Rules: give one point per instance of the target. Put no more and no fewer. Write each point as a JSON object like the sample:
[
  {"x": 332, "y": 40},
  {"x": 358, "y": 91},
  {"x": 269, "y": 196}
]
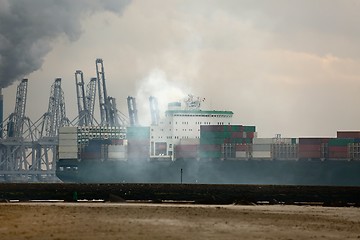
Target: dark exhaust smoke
[{"x": 27, "y": 29}]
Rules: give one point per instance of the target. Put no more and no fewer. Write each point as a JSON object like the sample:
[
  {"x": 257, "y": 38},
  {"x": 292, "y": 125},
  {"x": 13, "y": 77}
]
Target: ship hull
[{"x": 301, "y": 172}]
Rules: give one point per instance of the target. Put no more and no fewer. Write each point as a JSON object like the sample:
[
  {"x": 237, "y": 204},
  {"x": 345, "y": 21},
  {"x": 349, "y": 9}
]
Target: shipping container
[
  {"x": 241, "y": 154},
  {"x": 310, "y": 155},
  {"x": 117, "y": 155},
  {"x": 68, "y": 143},
  {"x": 68, "y": 136},
  {"x": 309, "y": 147},
  {"x": 303, "y": 141},
  {"x": 348, "y": 134},
  {"x": 68, "y": 130},
  {"x": 186, "y": 148},
  {"x": 242, "y": 147},
  {"x": 340, "y": 141},
  {"x": 211, "y": 141},
  {"x": 249, "y": 129},
  {"x": 68, "y": 155},
  {"x": 250, "y": 134},
  {"x": 261, "y": 147},
  {"x": 263, "y": 140},
  {"x": 73, "y": 148},
  {"x": 262, "y": 155},
  {"x": 116, "y": 148}
]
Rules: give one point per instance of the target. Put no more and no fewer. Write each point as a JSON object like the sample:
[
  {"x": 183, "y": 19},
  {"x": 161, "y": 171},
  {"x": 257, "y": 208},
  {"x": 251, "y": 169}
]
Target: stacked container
[
  {"x": 313, "y": 148},
  {"x": 339, "y": 148},
  {"x": 138, "y": 143},
  {"x": 68, "y": 143},
  {"x": 219, "y": 141},
  {"x": 354, "y": 146},
  {"x": 285, "y": 149},
  {"x": 117, "y": 152},
  {"x": 187, "y": 149},
  {"x": 95, "y": 149},
  {"x": 262, "y": 148}
]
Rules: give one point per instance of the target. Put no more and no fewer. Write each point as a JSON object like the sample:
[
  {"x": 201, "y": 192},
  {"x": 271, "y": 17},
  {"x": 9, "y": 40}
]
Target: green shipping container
[
  {"x": 340, "y": 141},
  {"x": 215, "y": 135},
  {"x": 249, "y": 129},
  {"x": 212, "y": 140}
]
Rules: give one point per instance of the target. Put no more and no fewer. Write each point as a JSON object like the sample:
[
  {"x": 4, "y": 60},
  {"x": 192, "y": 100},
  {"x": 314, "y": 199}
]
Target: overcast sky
[{"x": 289, "y": 67}]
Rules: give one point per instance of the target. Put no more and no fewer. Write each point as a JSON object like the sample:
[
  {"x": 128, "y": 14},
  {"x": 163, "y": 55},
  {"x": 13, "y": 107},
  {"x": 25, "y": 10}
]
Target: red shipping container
[
  {"x": 250, "y": 135},
  {"x": 308, "y": 154},
  {"x": 338, "y": 148},
  {"x": 241, "y": 147},
  {"x": 237, "y": 134},
  {"x": 340, "y": 155},
  {"x": 211, "y": 128},
  {"x": 117, "y": 142},
  {"x": 186, "y": 148},
  {"x": 348, "y": 134},
  {"x": 313, "y": 141},
  {"x": 309, "y": 147}
]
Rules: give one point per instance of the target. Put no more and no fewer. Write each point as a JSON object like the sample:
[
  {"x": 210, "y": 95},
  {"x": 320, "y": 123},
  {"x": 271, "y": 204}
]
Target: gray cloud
[{"x": 27, "y": 29}]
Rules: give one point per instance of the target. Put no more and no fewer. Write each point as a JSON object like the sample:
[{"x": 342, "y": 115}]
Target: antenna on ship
[{"x": 193, "y": 103}]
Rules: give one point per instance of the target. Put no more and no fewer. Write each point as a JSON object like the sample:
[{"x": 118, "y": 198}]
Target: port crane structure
[{"x": 28, "y": 150}]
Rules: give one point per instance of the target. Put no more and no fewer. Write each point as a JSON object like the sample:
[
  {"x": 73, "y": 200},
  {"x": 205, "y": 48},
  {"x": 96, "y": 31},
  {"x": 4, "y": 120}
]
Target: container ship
[{"x": 191, "y": 145}]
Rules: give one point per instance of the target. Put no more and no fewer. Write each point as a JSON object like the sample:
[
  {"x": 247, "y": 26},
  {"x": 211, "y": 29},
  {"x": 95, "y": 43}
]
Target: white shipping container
[
  {"x": 67, "y": 130},
  {"x": 283, "y": 140},
  {"x": 68, "y": 136},
  {"x": 68, "y": 142},
  {"x": 67, "y": 155},
  {"x": 68, "y": 148},
  {"x": 262, "y": 154},
  {"x": 261, "y": 147},
  {"x": 116, "y": 148},
  {"x": 240, "y": 154},
  {"x": 263, "y": 140},
  {"x": 117, "y": 155}
]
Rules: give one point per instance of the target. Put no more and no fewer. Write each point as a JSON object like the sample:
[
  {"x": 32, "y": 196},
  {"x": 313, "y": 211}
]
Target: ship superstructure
[{"x": 181, "y": 125}]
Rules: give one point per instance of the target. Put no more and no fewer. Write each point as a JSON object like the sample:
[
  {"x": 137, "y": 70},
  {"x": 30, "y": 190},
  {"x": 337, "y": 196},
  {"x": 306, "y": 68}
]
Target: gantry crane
[
  {"x": 55, "y": 117},
  {"x": 109, "y": 114},
  {"x": 45, "y": 148},
  {"x": 17, "y": 142}
]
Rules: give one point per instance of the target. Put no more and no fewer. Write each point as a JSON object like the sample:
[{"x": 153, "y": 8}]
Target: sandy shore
[{"x": 164, "y": 221}]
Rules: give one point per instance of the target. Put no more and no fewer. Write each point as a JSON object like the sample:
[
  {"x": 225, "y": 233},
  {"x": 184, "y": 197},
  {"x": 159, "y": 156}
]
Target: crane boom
[
  {"x": 90, "y": 99},
  {"x": 103, "y": 97},
  {"x": 81, "y": 99},
  {"x": 133, "y": 115},
  {"x": 15, "y": 124}
]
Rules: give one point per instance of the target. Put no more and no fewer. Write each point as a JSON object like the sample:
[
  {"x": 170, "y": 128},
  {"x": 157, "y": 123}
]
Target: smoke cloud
[
  {"x": 27, "y": 29},
  {"x": 159, "y": 85}
]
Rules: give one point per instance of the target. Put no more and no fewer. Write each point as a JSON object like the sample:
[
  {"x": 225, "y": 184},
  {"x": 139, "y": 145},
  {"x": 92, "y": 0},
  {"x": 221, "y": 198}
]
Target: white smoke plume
[
  {"x": 27, "y": 29},
  {"x": 166, "y": 90}
]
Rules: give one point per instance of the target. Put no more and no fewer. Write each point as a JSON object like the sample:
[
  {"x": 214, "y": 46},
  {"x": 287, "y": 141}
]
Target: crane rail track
[{"x": 194, "y": 193}]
